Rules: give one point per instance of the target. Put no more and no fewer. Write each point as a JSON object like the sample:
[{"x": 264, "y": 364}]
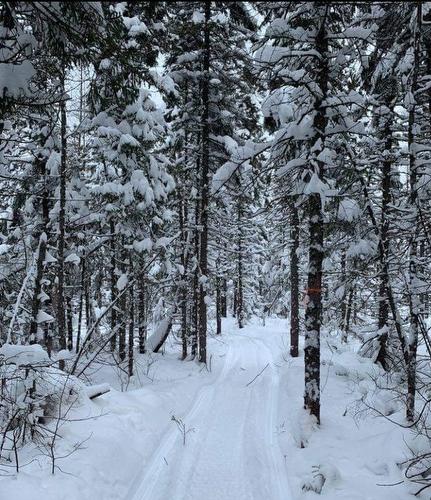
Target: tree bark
[
  {"x": 183, "y": 293},
  {"x": 313, "y": 311},
  {"x": 131, "y": 323},
  {"x": 195, "y": 298},
  {"x": 224, "y": 298},
  {"x": 113, "y": 283},
  {"x": 122, "y": 327},
  {"x": 203, "y": 251},
  {"x": 69, "y": 323},
  {"x": 294, "y": 278},
  {"x": 218, "y": 306},
  {"x": 43, "y": 236},
  {"x": 240, "y": 288},
  {"x": 383, "y": 313},
  {"x": 142, "y": 316},
  {"x": 81, "y": 304},
  {"x": 415, "y": 298},
  {"x": 347, "y": 315},
  {"x": 61, "y": 320},
  {"x": 235, "y": 299}
]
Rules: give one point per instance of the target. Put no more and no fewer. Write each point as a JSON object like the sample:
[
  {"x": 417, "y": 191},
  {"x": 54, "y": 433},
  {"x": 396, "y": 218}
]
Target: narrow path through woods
[{"x": 232, "y": 450}]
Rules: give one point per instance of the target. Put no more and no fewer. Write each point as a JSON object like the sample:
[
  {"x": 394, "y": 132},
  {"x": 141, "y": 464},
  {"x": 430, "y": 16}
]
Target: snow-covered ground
[{"x": 246, "y": 435}]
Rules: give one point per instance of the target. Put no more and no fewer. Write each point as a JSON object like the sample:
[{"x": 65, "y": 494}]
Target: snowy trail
[
  {"x": 233, "y": 453},
  {"x": 248, "y": 440}
]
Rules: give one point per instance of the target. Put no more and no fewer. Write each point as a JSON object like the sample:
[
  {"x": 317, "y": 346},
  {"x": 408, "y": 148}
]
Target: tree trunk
[
  {"x": 224, "y": 298},
  {"x": 414, "y": 292},
  {"x": 383, "y": 313},
  {"x": 240, "y": 290},
  {"x": 81, "y": 304},
  {"x": 203, "y": 251},
  {"x": 386, "y": 114},
  {"x": 218, "y": 306},
  {"x": 313, "y": 311},
  {"x": 36, "y": 303},
  {"x": 142, "y": 316},
  {"x": 43, "y": 236},
  {"x": 131, "y": 323},
  {"x": 183, "y": 292},
  {"x": 122, "y": 327},
  {"x": 195, "y": 298},
  {"x": 235, "y": 299},
  {"x": 69, "y": 323},
  {"x": 113, "y": 282},
  {"x": 88, "y": 315},
  {"x": 343, "y": 280},
  {"x": 347, "y": 315},
  {"x": 294, "y": 279},
  {"x": 61, "y": 320}
]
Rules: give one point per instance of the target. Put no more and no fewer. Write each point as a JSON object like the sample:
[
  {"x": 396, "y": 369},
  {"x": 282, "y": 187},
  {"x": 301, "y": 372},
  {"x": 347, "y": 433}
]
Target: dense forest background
[{"x": 164, "y": 165}]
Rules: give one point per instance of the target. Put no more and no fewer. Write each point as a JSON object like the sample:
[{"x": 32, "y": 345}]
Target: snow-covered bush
[{"x": 33, "y": 393}]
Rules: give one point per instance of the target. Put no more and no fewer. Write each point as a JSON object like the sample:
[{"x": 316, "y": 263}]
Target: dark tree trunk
[
  {"x": 224, "y": 298},
  {"x": 383, "y": 312},
  {"x": 47, "y": 335},
  {"x": 203, "y": 250},
  {"x": 122, "y": 327},
  {"x": 113, "y": 283},
  {"x": 131, "y": 324},
  {"x": 354, "y": 308},
  {"x": 240, "y": 293},
  {"x": 294, "y": 279},
  {"x": 122, "y": 333},
  {"x": 218, "y": 306},
  {"x": 240, "y": 290},
  {"x": 36, "y": 303},
  {"x": 195, "y": 298},
  {"x": 235, "y": 299},
  {"x": 184, "y": 325},
  {"x": 43, "y": 236},
  {"x": 61, "y": 320},
  {"x": 183, "y": 291},
  {"x": 347, "y": 315},
  {"x": 142, "y": 316},
  {"x": 69, "y": 323},
  {"x": 81, "y": 304},
  {"x": 88, "y": 314},
  {"x": 313, "y": 311},
  {"x": 415, "y": 298},
  {"x": 343, "y": 280}
]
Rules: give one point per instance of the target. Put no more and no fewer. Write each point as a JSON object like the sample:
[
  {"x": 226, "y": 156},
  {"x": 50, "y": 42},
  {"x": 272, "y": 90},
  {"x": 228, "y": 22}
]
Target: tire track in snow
[
  {"x": 144, "y": 486},
  {"x": 266, "y": 448},
  {"x": 198, "y": 459},
  {"x": 277, "y": 458},
  {"x": 236, "y": 437}
]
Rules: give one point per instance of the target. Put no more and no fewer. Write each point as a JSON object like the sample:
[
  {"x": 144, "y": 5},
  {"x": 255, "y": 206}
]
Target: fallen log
[{"x": 94, "y": 391}]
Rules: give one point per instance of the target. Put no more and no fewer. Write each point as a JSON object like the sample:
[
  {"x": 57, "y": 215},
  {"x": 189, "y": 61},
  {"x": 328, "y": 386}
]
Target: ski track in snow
[{"x": 233, "y": 451}]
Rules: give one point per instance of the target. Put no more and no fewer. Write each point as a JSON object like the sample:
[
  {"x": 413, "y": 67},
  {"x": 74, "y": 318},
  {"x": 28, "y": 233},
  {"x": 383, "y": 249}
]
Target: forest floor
[{"x": 244, "y": 435}]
